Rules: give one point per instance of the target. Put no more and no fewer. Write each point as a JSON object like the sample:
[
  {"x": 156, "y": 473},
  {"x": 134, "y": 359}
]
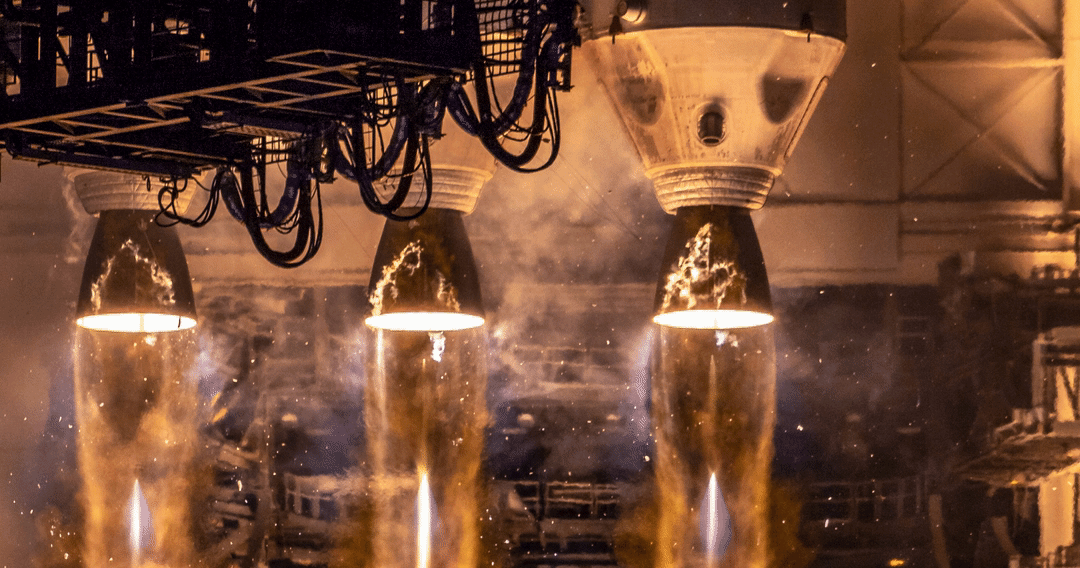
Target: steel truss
[{"x": 170, "y": 88}]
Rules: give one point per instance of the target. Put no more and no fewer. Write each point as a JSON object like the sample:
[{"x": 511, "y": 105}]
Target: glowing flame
[
  {"x": 715, "y": 522},
  {"x": 697, "y": 286},
  {"x": 140, "y": 526},
  {"x": 424, "y": 321},
  {"x": 424, "y": 516},
  {"x": 447, "y": 317},
  {"x": 696, "y": 279},
  {"x": 134, "y": 322},
  {"x": 408, "y": 260},
  {"x": 713, "y": 319}
]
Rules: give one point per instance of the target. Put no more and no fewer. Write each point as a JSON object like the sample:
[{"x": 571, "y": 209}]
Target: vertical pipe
[
  {"x": 142, "y": 37},
  {"x": 30, "y": 55},
  {"x": 77, "y": 50},
  {"x": 50, "y": 45}
]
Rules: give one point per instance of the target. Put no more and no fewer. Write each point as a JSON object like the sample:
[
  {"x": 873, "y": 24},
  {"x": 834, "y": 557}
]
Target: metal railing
[
  {"x": 569, "y": 500},
  {"x": 866, "y": 501}
]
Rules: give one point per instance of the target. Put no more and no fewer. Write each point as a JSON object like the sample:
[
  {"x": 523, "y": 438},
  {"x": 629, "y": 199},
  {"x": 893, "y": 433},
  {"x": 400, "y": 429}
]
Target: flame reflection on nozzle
[
  {"x": 713, "y": 273},
  {"x": 424, "y": 321},
  {"x": 136, "y": 322},
  {"x": 713, "y": 319},
  {"x": 424, "y": 276}
]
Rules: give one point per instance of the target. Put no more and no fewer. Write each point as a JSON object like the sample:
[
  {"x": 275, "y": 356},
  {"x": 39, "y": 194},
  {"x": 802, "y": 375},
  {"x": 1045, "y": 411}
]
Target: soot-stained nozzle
[
  {"x": 136, "y": 277},
  {"x": 713, "y": 274},
  {"x": 424, "y": 277}
]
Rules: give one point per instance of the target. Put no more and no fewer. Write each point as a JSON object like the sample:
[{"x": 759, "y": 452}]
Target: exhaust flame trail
[
  {"x": 423, "y": 522},
  {"x": 716, "y": 522},
  {"x": 140, "y": 527}
]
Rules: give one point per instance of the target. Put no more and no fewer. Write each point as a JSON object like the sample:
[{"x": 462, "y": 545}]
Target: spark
[{"x": 725, "y": 337}]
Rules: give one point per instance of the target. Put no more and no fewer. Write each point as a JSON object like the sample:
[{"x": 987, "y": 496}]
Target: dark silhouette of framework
[{"x": 172, "y": 87}]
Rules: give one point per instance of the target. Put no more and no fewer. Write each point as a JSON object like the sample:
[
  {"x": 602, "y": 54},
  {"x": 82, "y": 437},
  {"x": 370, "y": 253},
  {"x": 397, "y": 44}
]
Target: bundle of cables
[
  {"x": 365, "y": 152},
  {"x": 549, "y": 36},
  {"x": 362, "y": 151},
  {"x": 387, "y": 138},
  {"x": 298, "y": 211}
]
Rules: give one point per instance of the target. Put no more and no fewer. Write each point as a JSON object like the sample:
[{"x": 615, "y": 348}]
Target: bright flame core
[
  {"x": 713, "y": 516},
  {"x": 713, "y": 319},
  {"x": 423, "y": 523},
  {"x": 132, "y": 322},
  {"x": 715, "y": 522},
  {"x": 424, "y": 321},
  {"x": 140, "y": 527}
]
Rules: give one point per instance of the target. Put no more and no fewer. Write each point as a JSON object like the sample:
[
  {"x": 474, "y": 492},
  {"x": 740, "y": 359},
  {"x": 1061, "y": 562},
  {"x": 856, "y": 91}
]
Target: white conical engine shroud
[
  {"x": 764, "y": 81},
  {"x": 110, "y": 191}
]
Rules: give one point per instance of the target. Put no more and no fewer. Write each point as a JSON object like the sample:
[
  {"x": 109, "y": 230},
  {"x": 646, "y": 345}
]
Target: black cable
[
  {"x": 489, "y": 134},
  {"x": 227, "y": 186},
  {"x": 538, "y": 72},
  {"x": 419, "y": 114},
  {"x": 309, "y": 230},
  {"x": 247, "y": 200},
  {"x": 554, "y": 129},
  {"x": 168, "y": 215},
  {"x": 504, "y": 118},
  {"x": 425, "y": 168}
]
